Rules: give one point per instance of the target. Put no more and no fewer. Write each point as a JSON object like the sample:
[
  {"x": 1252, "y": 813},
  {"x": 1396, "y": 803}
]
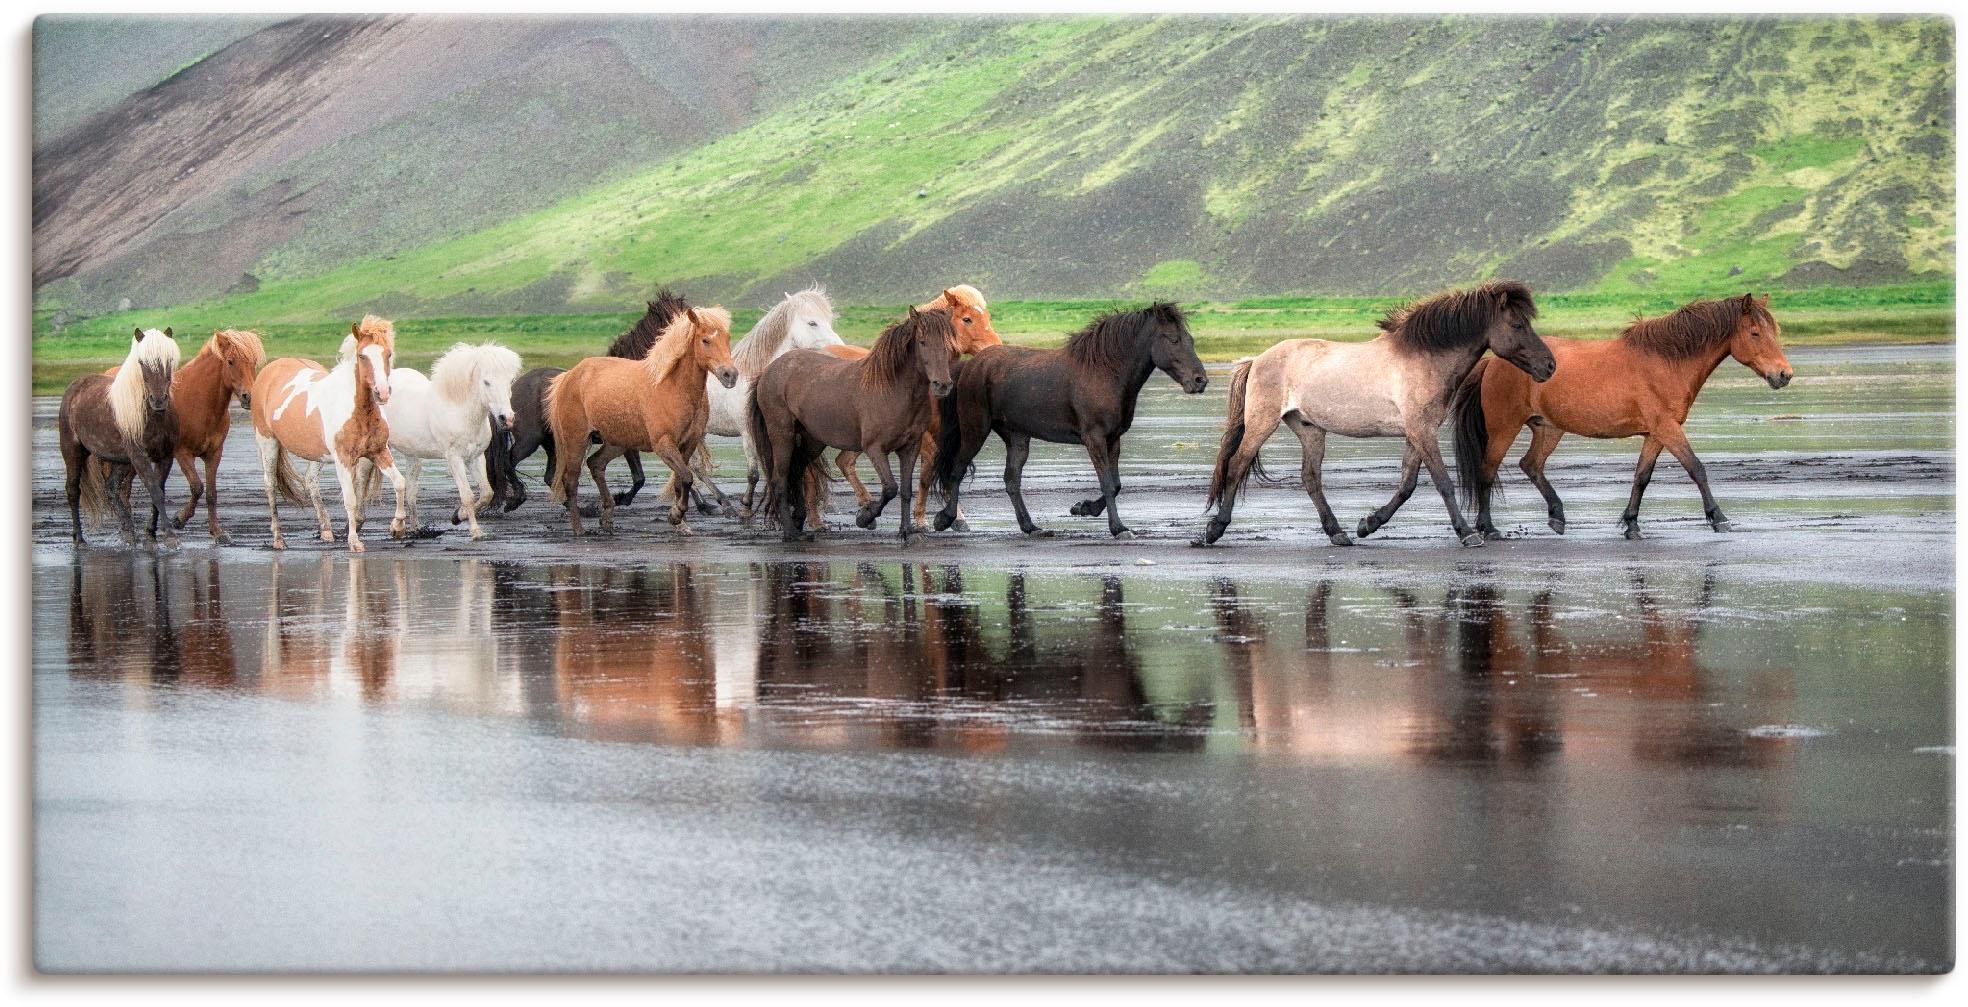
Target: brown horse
[
  {"x": 653, "y": 404},
  {"x": 807, "y": 401},
  {"x": 1643, "y": 382},
  {"x": 973, "y": 323},
  {"x": 302, "y": 408},
  {"x": 128, "y": 421},
  {"x": 202, "y": 391}
]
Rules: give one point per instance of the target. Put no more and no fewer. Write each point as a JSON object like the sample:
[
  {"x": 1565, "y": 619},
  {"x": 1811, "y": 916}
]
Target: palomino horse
[
  {"x": 128, "y": 421},
  {"x": 1397, "y": 384},
  {"x": 1083, "y": 392},
  {"x": 1643, "y": 382},
  {"x": 202, "y": 391},
  {"x": 653, "y": 404},
  {"x": 808, "y": 401},
  {"x": 973, "y": 322},
  {"x": 319, "y": 415},
  {"x": 452, "y": 415},
  {"x": 530, "y": 432}
]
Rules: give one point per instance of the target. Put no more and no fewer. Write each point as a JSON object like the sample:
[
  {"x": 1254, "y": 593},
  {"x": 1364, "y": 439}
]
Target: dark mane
[
  {"x": 1692, "y": 330},
  {"x": 1457, "y": 318},
  {"x": 1108, "y": 341},
  {"x": 894, "y": 352},
  {"x": 635, "y": 343}
]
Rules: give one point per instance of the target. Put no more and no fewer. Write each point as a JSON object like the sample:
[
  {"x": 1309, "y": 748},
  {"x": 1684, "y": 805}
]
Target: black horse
[
  {"x": 1083, "y": 392},
  {"x": 530, "y": 432}
]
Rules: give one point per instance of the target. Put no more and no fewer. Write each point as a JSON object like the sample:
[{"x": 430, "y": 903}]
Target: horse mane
[
  {"x": 894, "y": 350},
  {"x": 1108, "y": 341},
  {"x": 126, "y": 390},
  {"x": 965, "y": 295},
  {"x": 1691, "y": 330},
  {"x": 376, "y": 330},
  {"x": 636, "y": 343},
  {"x": 674, "y": 343},
  {"x": 225, "y": 342},
  {"x": 456, "y": 372},
  {"x": 760, "y": 345},
  {"x": 1455, "y": 318}
]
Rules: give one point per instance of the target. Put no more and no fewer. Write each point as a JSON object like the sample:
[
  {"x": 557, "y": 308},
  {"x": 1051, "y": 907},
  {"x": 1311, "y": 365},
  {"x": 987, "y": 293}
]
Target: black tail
[
  {"x": 1222, "y": 486},
  {"x": 762, "y": 443},
  {"x": 500, "y": 468},
  {"x": 1472, "y": 438},
  {"x": 948, "y": 473}
]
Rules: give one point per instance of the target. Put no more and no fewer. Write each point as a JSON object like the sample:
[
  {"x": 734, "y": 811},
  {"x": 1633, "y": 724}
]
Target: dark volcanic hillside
[{"x": 477, "y": 165}]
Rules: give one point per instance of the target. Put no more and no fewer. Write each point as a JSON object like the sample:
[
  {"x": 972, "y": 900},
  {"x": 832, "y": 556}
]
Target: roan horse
[
  {"x": 530, "y": 432},
  {"x": 202, "y": 391},
  {"x": 1084, "y": 392},
  {"x": 1397, "y": 384},
  {"x": 1643, "y": 382},
  {"x": 451, "y": 415},
  {"x": 653, "y": 404},
  {"x": 808, "y": 401},
  {"x": 128, "y": 421},
  {"x": 972, "y": 319},
  {"x": 304, "y": 409}
]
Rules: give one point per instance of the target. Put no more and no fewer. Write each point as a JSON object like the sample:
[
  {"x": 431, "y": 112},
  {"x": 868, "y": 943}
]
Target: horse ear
[
  {"x": 692, "y": 312},
  {"x": 950, "y": 298},
  {"x": 1749, "y": 301},
  {"x": 355, "y": 328},
  {"x": 137, "y": 335},
  {"x": 914, "y": 315},
  {"x": 1764, "y": 303}
]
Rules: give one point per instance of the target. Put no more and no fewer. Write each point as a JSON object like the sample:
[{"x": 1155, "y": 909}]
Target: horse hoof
[
  {"x": 477, "y": 533},
  {"x": 961, "y": 525},
  {"x": 1558, "y": 525},
  {"x": 865, "y": 518},
  {"x": 1341, "y": 538},
  {"x": 1473, "y": 540},
  {"x": 512, "y": 505},
  {"x": 944, "y": 522},
  {"x": 915, "y": 537},
  {"x": 279, "y": 543},
  {"x": 728, "y": 512},
  {"x": 623, "y": 499},
  {"x": 683, "y": 529},
  {"x": 177, "y": 523},
  {"x": 1078, "y": 510},
  {"x": 221, "y": 538},
  {"x": 1038, "y": 533},
  {"x": 1492, "y": 535},
  {"x": 327, "y": 536},
  {"x": 1721, "y": 526},
  {"x": 1365, "y": 529},
  {"x": 1124, "y": 533},
  {"x": 1632, "y": 531},
  {"x": 676, "y": 516},
  {"x": 356, "y": 547},
  {"x": 591, "y": 510}
]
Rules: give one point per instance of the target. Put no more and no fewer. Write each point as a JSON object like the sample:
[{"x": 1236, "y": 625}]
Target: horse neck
[
  {"x": 203, "y": 384},
  {"x": 365, "y": 385},
  {"x": 1696, "y": 370}
]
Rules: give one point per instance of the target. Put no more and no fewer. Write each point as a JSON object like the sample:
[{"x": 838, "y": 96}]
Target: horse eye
[{"x": 967, "y": 321}]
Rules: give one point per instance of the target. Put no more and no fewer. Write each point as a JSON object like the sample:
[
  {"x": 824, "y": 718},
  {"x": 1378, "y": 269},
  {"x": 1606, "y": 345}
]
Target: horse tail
[
  {"x": 95, "y": 491},
  {"x": 947, "y": 472},
  {"x": 1472, "y": 437},
  {"x": 286, "y": 483},
  {"x": 1222, "y": 487},
  {"x": 564, "y": 459},
  {"x": 761, "y": 449}
]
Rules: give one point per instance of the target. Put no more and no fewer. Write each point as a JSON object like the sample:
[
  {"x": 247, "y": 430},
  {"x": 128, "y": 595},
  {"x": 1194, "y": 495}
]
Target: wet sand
[{"x": 1696, "y": 752}]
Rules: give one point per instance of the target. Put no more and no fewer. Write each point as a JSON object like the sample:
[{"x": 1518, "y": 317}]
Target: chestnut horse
[
  {"x": 302, "y": 408},
  {"x": 128, "y": 421},
  {"x": 807, "y": 401},
  {"x": 653, "y": 404},
  {"x": 973, "y": 323},
  {"x": 1083, "y": 392},
  {"x": 1642, "y": 382},
  {"x": 202, "y": 391},
  {"x": 1397, "y": 384}
]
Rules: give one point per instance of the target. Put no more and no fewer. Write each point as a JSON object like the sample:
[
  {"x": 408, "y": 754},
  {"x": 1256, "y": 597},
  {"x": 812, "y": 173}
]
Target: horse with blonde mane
[
  {"x": 451, "y": 415},
  {"x": 653, "y": 404},
  {"x": 129, "y": 421},
  {"x": 304, "y": 409},
  {"x": 972, "y": 319}
]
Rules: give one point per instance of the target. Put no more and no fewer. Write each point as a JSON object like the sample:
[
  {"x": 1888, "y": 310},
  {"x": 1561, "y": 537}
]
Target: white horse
[
  {"x": 803, "y": 321},
  {"x": 451, "y": 415}
]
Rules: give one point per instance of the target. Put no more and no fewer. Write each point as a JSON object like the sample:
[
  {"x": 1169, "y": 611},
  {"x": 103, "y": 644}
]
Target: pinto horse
[
  {"x": 1397, "y": 384},
  {"x": 807, "y": 401},
  {"x": 653, "y": 404},
  {"x": 1084, "y": 392},
  {"x": 202, "y": 391},
  {"x": 973, "y": 323},
  {"x": 530, "y": 432},
  {"x": 129, "y": 421},
  {"x": 1643, "y": 382},
  {"x": 452, "y": 415},
  {"x": 304, "y": 409}
]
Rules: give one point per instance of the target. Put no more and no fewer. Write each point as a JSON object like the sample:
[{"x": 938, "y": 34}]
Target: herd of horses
[{"x": 930, "y": 390}]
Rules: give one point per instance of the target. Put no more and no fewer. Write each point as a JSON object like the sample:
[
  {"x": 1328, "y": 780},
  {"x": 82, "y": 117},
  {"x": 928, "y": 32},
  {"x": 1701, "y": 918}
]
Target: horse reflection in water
[{"x": 632, "y": 658}]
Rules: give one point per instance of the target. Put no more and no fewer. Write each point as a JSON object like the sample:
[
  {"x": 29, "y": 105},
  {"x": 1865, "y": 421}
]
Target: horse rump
[
  {"x": 808, "y": 463},
  {"x": 1472, "y": 437},
  {"x": 1223, "y": 486}
]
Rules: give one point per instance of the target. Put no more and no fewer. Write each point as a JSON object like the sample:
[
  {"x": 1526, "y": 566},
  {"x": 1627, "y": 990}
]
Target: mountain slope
[{"x": 1201, "y": 156}]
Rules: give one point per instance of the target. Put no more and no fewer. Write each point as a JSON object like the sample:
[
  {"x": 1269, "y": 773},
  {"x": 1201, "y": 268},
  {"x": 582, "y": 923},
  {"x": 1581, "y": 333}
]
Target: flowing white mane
[
  {"x": 761, "y": 345},
  {"x": 126, "y": 390},
  {"x": 456, "y": 374}
]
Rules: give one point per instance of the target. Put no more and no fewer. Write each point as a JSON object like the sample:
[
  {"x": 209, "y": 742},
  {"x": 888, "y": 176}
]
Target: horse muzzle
[
  {"x": 941, "y": 389},
  {"x": 245, "y": 400},
  {"x": 1195, "y": 384},
  {"x": 1777, "y": 379},
  {"x": 727, "y": 376}
]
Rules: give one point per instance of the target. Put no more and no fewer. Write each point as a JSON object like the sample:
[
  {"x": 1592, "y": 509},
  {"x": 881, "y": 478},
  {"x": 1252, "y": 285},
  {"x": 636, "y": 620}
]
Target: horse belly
[
  {"x": 1333, "y": 404},
  {"x": 1587, "y": 408}
]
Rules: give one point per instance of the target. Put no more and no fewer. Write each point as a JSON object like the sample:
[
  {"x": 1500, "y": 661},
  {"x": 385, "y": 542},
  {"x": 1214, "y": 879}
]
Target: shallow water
[{"x": 1692, "y": 753}]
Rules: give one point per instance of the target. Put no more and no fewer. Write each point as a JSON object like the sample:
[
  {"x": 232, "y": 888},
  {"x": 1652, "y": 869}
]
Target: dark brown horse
[
  {"x": 128, "y": 421},
  {"x": 1643, "y": 382},
  {"x": 202, "y": 391},
  {"x": 530, "y": 431},
  {"x": 1082, "y": 393},
  {"x": 807, "y": 401}
]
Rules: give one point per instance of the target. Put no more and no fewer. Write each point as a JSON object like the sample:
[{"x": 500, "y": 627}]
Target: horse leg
[
  {"x": 212, "y": 495},
  {"x": 682, "y": 477},
  {"x": 313, "y": 479},
  {"x": 187, "y": 464},
  {"x": 1544, "y": 440},
  {"x": 598, "y": 468},
  {"x": 1643, "y": 473},
  {"x": 868, "y": 514},
  {"x": 1017, "y": 448},
  {"x": 1676, "y": 442},
  {"x": 406, "y": 491},
  {"x": 351, "y": 501},
  {"x": 126, "y": 527},
  {"x": 153, "y": 475},
  {"x": 635, "y": 483},
  {"x": 927, "y": 458},
  {"x": 74, "y": 457},
  {"x": 1312, "y": 446},
  {"x": 701, "y": 481},
  {"x": 1105, "y": 452},
  {"x": 269, "y": 449},
  {"x": 845, "y": 461},
  {"x": 1438, "y": 473},
  {"x": 1410, "y": 472},
  {"x": 905, "y": 458},
  {"x": 467, "y": 500}
]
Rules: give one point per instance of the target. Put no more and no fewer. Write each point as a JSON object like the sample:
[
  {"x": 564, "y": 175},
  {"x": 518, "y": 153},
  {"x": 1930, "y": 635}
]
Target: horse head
[
  {"x": 711, "y": 344},
  {"x": 1510, "y": 336},
  {"x": 1754, "y": 343},
  {"x": 243, "y": 356},
  {"x": 812, "y": 323},
  {"x": 969, "y": 316},
  {"x": 372, "y": 342},
  {"x": 158, "y": 362},
  {"x": 1173, "y": 349},
  {"x": 937, "y": 347}
]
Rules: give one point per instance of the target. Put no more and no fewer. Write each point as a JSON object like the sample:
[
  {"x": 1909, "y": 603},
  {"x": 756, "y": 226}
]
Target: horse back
[
  {"x": 822, "y": 391},
  {"x": 1039, "y": 392},
  {"x": 283, "y": 408},
  {"x": 1601, "y": 388},
  {"x": 84, "y": 417}
]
